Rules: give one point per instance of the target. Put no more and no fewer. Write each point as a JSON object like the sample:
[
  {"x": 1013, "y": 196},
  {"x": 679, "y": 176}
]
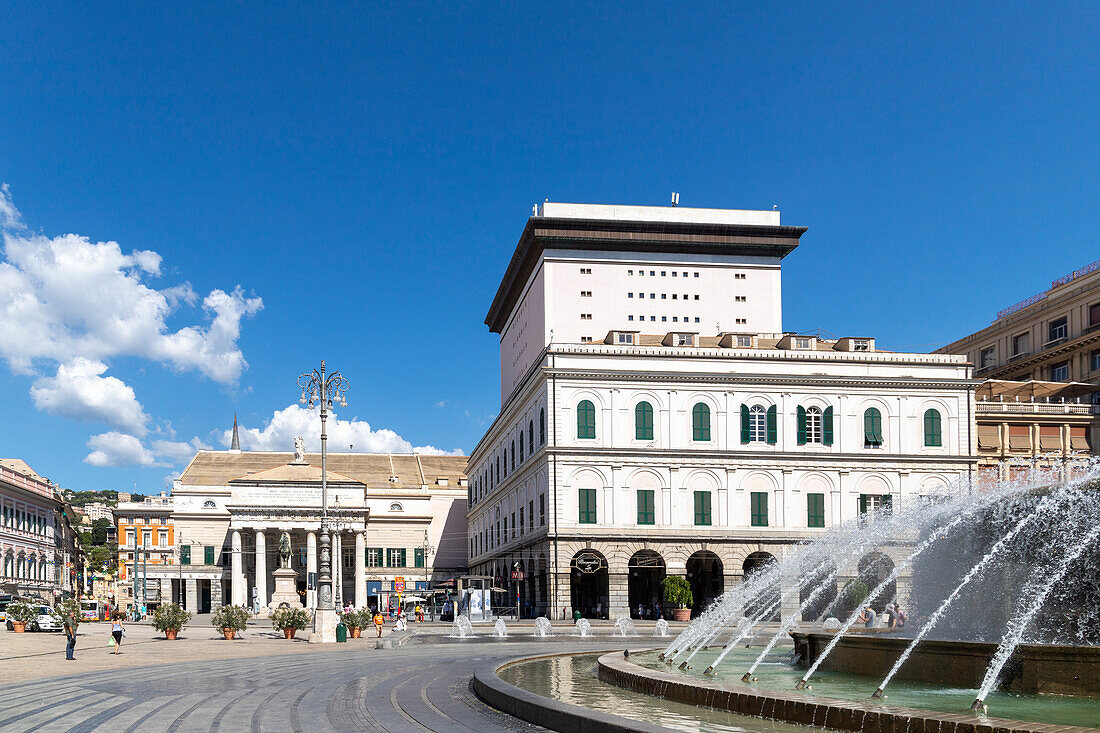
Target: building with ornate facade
[
  {"x": 656, "y": 419},
  {"x": 393, "y": 518}
]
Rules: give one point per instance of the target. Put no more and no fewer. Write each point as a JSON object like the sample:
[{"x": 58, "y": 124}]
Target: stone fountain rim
[{"x": 792, "y": 707}]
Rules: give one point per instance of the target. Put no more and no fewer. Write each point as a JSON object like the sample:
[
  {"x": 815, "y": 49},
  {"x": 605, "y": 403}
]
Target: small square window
[
  {"x": 652, "y": 296},
  {"x": 742, "y": 321},
  {"x": 685, "y": 274},
  {"x": 674, "y": 273},
  {"x": 664, "y": 318},
  {"x": 652, "y": 273},
  {"x": 663, "y": 296},
  {"x": 629, "y": 272},
  {"x": 697, "y": 297},
  {"x": 696, "y": 319},
  {"x": 653, "y": 318},
  {"x": 630, "y": 318},
  {"x": 674, "y": 319},
  {"x": 696, "y": 274},
  {"x": 630, "y": 295},
  {"x": 662, "y": 273},
  {"x": 674, "y": 296}
]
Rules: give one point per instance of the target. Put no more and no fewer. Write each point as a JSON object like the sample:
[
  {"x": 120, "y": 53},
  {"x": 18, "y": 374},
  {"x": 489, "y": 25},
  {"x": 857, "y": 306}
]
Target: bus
[{"x": 93, "y": 610}]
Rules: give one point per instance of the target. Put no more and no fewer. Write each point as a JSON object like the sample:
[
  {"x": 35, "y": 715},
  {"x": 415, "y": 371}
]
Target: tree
[{"x": 99, "y": 531}]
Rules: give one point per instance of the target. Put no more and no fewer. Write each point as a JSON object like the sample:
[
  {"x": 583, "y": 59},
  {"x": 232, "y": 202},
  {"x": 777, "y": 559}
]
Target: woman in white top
[{"x": 118, "y": 630}]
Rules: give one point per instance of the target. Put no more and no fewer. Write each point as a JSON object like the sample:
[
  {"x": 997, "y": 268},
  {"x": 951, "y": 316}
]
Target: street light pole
[{"x": 317, "y": 388}]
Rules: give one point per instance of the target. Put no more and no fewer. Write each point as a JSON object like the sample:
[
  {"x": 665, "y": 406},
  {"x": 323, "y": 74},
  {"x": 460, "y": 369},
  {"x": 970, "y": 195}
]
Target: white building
[
  {"x": 392, "y": 516},
  {"x": 98, "y": 510},
  {"x": 680, "y": 435}
]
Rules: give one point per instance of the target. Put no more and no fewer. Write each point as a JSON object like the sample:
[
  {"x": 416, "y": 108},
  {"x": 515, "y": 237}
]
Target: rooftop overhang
[
  {"x": 1031, "y": 390},
  {"x": 548, "y": 233}
]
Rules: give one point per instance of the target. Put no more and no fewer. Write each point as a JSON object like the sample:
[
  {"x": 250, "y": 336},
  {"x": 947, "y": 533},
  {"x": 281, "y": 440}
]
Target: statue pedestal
[
  {"x": 324, "y": 626},
  {"x": 286, "y": 589}
]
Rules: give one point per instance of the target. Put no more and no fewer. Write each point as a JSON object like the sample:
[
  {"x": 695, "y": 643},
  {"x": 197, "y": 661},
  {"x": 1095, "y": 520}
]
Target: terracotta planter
[
  {"x": 19, "y": 626},
  {"x": 356, "y": 632},
  {"x": 289, "y": 633},
  {"x": 171, "y": 633},
  {"x": 681, "y": 614},
  {"x": 229, "y": 634}
]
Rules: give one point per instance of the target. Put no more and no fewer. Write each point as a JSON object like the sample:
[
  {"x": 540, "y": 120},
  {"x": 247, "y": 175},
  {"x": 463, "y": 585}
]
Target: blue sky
[{"x": 348, "y": 183}]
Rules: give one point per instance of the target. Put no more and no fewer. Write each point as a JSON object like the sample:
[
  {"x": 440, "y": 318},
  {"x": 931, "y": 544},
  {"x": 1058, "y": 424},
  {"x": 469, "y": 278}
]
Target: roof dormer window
[{"x": 802, "y": 342}]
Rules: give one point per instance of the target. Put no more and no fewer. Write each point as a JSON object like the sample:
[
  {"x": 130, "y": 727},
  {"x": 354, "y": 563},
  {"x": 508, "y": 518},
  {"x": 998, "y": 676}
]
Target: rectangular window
[
  {"x": 1094, "y": 315},
  {"x": 586, "y": 509},
  {"x": 861, "y": 345},
  {"x": 1021, "y": 344},
  {"x": 1094, "y": 360},
  {"x": 185, "y": 554},
  {"x": 875, "y": 503},
  {"x": 418, "y": 557},
  {"x": 375, "y": 556},
  {"x": 801, "y": 343},
  {"x": 395, "y": 557},
  {"x": 542, "y": 510},
  {"x": 531, "y": 515},
  {"x": 645, "y": 506},
  {"x": 626, "y": 338},
  {"x": 744, "y": 342},
  {"x": 815, "y": 510},
  {"x": 702, "y": 508},
  {"x": 162, "y": 539},
  {"x": 987, "y": 357},
  {"x": 522, "y": 525},
  {"x": 208, "y": 555},
  {"x": 147, "y": 538},
  {"x": 758, "y": 509},
  {"x": 1058, "y": 329},
  {"x": 1060, "y": 372}
]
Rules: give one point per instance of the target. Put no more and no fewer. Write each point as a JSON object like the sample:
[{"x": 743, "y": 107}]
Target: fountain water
[
  {"x": 462, "y": 628},
  {"x": 582, "y": 628},
  {"x": 542, "y": 627},
  {"x": 499, "y": 629},
  {"x": 660, "y": 629},
  {"x": 624, "y": 626}
]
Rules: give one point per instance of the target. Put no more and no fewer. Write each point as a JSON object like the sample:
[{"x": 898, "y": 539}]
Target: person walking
[
  {"x": 69, "y": 625},
  {"x": 118, "y": 630},
  {"x": 379, "y": 622}
]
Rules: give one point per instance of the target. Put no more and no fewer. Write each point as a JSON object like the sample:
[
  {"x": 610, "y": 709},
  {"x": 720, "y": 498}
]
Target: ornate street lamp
[{"x": 326, "y": 391}]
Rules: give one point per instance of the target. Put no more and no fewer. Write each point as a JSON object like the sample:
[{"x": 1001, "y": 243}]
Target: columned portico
[
  {"x": 311, "y": 567},
  {"x": 237, "y": 593},
  {"x": 360, "y": 569}
]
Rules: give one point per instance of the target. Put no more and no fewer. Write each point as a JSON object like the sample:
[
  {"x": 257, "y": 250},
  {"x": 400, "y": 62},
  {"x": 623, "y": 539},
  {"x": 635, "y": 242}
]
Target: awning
[
  {"x": 989, "y": 436},
  {"x": 1007, "y": 391}
]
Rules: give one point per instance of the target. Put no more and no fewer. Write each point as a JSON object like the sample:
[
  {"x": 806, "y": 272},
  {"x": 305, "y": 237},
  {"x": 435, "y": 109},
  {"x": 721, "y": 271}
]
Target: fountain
[
  {"x": 583, "y": 628},
  {"x": 542, "y": 627},
  {"x": 499, "y": 629},
  {"x": 462, "y": 628},
  {"x": 660, "y": 629},
  {"x": 624, "y": 626}
]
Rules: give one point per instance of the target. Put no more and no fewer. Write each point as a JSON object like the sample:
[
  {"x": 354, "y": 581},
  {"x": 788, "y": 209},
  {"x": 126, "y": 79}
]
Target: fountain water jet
[
  {"x": 462, "y": 628},
  {"x": 542, "y": 627},
  {"x": 624, "y": 626},
  {"x": 660, "y": 629},
  {"x": 583, "y": 627},
  {"x": 499, "y": 629}
]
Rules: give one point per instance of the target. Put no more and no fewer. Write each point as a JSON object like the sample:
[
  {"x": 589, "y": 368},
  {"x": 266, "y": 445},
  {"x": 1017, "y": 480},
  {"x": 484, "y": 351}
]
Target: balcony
[{"x": 1036, "y": 408}]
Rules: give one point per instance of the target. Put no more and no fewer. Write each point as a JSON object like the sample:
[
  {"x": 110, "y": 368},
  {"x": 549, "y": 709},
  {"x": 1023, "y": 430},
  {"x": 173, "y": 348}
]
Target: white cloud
[
  {"x": 279, "y": 432},
  {"x": 177, "y": 451},
  {"x": 79, "y": 391},
  {"x": 67, "y": 297},
  {"x": 118, "y": 449}
]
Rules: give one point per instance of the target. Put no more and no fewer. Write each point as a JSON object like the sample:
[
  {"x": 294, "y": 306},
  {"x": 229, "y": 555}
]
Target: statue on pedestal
[
  {"x": 284, "y": 551},
  {"x": 299, "y": 449}
]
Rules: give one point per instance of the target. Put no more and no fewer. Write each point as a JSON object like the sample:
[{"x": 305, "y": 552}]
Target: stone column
[
  {"x": 337, "y": 571},
  {"x": 360, "y": 570},
  {"x": 191, "y": 596},
  {"x": 236, "y": 578},
  {"x": 311, "y": 567},
  {"x": 261, "y": 568},
  {"x": 618, "y": 594}
]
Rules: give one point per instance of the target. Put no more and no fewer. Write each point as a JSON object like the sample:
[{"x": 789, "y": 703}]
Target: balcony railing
[{"x": 1037, "y": 408}]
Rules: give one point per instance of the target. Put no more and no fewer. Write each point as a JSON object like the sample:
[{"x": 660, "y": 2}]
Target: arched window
[
  {"x": 513, "y": 455},
  {"x": 758, "y": 424},
  {"x": 531, "y": 437},
  {"x": 933, "y": 436},
  {"x": 209, "y": 504},
  {"x": 815, "y": 425},
  {"x": 542, "y": 426},
  {"x": 521, "y": 445},
  {"x": 700, "y": 421},
  {"x": 643, "y": 421},
  {"x": 872, "y": 428},
  {"x": 586, "y": 420},
  {"x": 812, "y": 425},
  {"x": 396, "y": 507}
]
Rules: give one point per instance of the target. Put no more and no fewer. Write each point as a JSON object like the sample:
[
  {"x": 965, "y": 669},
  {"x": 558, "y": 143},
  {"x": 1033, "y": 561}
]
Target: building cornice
[{"x": 764, "y": 380}]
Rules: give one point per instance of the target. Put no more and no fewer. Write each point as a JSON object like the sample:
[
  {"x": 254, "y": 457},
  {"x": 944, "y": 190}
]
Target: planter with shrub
[
  {"x": 354, "y": 621},
  {"x": 170, "y": 618},
  {"x": 677, "y": 591},
  {"x": 289, "y": 620},
  {"x": 230, "y": 619},
  {"x": 20, "y": 614}
]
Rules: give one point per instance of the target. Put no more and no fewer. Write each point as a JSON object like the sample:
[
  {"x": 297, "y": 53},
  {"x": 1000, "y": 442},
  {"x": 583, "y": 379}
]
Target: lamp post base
[{"x": 324, "y": 626}]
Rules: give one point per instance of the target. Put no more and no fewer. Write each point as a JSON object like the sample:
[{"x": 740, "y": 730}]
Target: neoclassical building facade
[
  {"x": 391, "y": 516},
  {"x": 620, "y": 458}
]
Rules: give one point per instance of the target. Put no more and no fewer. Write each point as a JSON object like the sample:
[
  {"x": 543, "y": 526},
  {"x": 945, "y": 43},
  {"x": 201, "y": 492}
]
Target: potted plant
[
  {"x": 353, "y": 620},
  {"x": 230, "y": 619},
  {"x": 20, "y": 614},
  {"x": 170, "y": 618},
  {"x": 677, "y": 591},
  {"x": 289, "y": 620}
]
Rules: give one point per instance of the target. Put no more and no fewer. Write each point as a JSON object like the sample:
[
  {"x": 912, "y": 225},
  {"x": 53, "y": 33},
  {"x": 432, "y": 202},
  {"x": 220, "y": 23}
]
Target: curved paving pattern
[{"x": 420, "y": 687}]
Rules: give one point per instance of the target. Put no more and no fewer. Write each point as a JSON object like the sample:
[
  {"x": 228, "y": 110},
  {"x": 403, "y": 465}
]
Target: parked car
[{"x": 47, "y": 620}]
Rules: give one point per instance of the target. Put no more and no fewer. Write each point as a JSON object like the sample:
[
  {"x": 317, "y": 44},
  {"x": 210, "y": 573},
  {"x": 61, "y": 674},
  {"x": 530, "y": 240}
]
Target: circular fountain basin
[{"x": 841, "y": 700}]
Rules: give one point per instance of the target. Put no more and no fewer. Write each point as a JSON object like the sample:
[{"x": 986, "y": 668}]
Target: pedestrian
[
  {"x": 899, "y": 616},
  {"x": 379, "y": 622},
  {"x": 70, "y": 636},
  {"x": 599, "y": 610},
  {"x": 641, "y": 611},
  {"x": 867, "y": 617},
  {"x": 657, "y": 609},
  {"x": 118, "y": 630}
]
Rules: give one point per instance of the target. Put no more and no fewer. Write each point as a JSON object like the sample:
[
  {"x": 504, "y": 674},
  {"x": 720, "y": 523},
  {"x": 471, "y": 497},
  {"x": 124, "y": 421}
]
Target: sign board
[
  {"x": 399, "y": 584},
  {"x": 517, "y": 575}
]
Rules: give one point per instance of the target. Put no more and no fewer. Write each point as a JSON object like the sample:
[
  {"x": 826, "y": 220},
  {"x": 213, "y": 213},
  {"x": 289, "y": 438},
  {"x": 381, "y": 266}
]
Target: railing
[
  {"x": 1037, "y": 408},
  {"x": 26, "y": 482}
]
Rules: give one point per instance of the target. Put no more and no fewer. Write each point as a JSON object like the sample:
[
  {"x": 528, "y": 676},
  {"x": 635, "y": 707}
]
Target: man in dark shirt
[{"x": 70, "y": 636}]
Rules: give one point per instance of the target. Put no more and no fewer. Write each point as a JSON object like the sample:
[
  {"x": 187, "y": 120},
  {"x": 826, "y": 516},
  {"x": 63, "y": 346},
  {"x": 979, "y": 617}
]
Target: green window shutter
[
  {"x": 643, "y": 421},
  {"x": 586, "y": 420},
  {"x": 801, "y": 425},
  {"x": 645, "y": 507},
  {"x": 586, "y": 506},
  {"x": 827, "y": 426},
  {"x": 185, "y": 554},
  {"x": 758, "y": 509},
  {"x": 745, "y": 424},
  {"x": 863, "y": 503},
  {"x": 872, "y": 426},
  {"x": 700, "y": 422},
  {"x": 702, "y": 508},
  {"x": 773, "y": 428},
  {"x": 208, "y": 555},
  {"x": 933, "y": 436},
  {"x": 418, "y": 557},
  {"x": 815, "y": 510}
]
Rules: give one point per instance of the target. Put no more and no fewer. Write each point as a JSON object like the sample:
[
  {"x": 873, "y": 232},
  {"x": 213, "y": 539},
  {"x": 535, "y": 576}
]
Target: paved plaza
[{"x": 263, "y": 682}]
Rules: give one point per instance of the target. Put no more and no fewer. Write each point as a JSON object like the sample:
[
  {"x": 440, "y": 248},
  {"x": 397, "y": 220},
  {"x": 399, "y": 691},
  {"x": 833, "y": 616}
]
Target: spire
[{"x": 236, "y": 445}]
